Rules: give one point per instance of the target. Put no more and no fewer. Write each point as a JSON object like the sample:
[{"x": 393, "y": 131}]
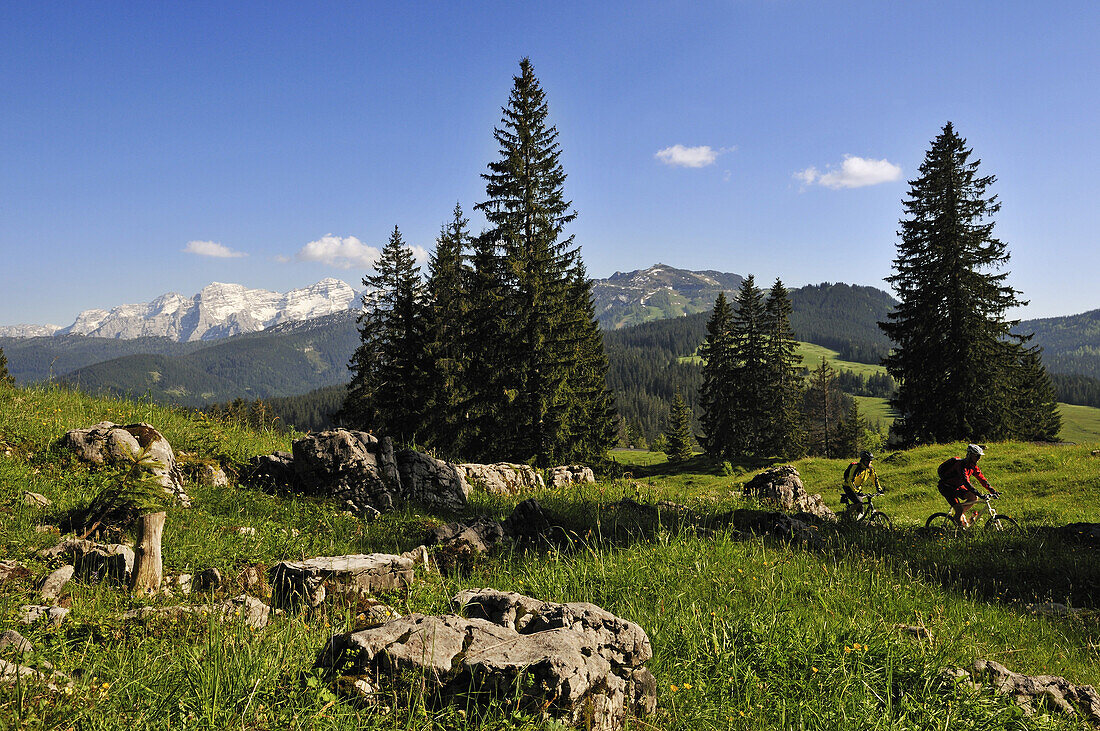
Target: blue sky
[{"x": 766, "y": 137}]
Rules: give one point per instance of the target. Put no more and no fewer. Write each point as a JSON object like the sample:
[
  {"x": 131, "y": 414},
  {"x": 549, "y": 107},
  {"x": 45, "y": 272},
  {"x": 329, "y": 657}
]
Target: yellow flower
[
  {"x": 106, "y": 686},
  {"x": 847, "y": 649},
  {"x": 813, "y": 668},
  {"x": 687, "y": 686},
  {"x": 673, "y": 688}
]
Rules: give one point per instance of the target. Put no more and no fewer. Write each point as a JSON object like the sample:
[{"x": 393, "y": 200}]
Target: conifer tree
[
  {"x": 446, "y": 311},
  {"x": 386, "y": 393},
  {"x": 1033, "y": 410},
  {"x": 715, "y": 395},
  {"x": 6, "y": 378},
  {"x": 850, "y": 432},
  {"x": 783, "y": 433},
  {"x": 954, "y": 350},
  {"x": 537, "y": 334},
  {"x": 749, "y": 395},
  {"x": 678, "y": 436},
  {"x": 823, "y": 409}
]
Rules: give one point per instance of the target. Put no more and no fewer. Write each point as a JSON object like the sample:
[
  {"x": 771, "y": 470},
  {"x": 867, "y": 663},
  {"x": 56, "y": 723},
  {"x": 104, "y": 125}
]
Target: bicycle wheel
[
  {"x": 879, "y": 520},
  {"x": 1002, "y": 524},
  {"x": 941, "y": 525}
]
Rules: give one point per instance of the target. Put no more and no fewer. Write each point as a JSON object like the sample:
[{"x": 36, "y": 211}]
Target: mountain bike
[
  {"x": 871, "y": 517},
  {"x": 946, "y": 524}
]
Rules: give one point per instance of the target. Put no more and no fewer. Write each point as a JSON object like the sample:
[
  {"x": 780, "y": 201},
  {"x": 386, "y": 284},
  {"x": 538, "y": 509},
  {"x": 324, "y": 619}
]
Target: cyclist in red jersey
[{"x": 955, "y": 484}]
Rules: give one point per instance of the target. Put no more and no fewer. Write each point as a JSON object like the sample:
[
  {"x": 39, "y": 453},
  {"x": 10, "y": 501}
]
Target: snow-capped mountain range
[{"x": 217, "y": 311}]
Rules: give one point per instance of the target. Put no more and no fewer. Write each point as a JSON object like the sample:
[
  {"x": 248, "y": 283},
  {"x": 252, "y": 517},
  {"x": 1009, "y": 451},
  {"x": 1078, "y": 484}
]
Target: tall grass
[{"x": 747, "y": 633}]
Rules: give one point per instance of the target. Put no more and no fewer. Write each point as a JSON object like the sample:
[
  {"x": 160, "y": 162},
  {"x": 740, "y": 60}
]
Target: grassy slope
[{"x": 746, "y": 634}]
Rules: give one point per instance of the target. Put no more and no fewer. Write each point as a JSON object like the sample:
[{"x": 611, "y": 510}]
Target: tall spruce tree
[
  {"x": 715, "y": 393},
  {"x": 446, "y": 312},
  {"x": 678, "y": 438},
  {"x": 6, "y": 378},
  {"x": 954, "y": 350},
  {"x": 386, "y": 393},
  {"x": 538, "y": 334},
  {"x": 783, "y": 432},
  {"x": 749, "y": 394}
]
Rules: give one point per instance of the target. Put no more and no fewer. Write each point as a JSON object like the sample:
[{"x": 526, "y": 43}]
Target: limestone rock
[
  {"x": 921, "y": 633},
  {"x": 782, "y": 486},
  {"x": 477, "y": 537},
  {"x": 53, "y": 616},
  {"x": 571, "y": 474},
  {"x": 502, "y": 478},
  {"x": 527, "y": 521},
  {"x": 208, "y": 580},
  {"x": 52, "y": 585},
  {"x": 110, "y": 443},
  {"x": 13, "y": 570},
  {"x": 14, "y": 673},
  {"x": 250, "y": 610},
  {"x": 348, "y": 465},
  {"x": 213, "y": 476},
  {"x": 1053, "y": 609},
  {"x": 295, "y": 583},
  {"x": 1052, "y": 691},
  {"x": 583, "y": 663},
  {"x": 95, "y": 561},
  {"x": 34, "y": 500},
  {"x": 431, "y": 482},
  {"x": 273, "y": 470},
  {"x": 18, "y": 643}
]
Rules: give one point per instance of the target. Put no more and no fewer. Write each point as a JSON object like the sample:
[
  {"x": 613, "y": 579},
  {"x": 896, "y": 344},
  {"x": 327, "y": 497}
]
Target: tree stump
[{"x": 148, "y": 567}]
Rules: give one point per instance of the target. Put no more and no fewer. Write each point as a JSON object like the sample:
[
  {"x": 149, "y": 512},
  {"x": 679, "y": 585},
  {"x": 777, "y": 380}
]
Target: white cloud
[
  {"x": 854, "y": 172},
  {"x": 341, "y": 252},
  {"x": 212, "y": 248},
  {"x": 345, "y": 252},
  {"x": 689, "y": 157},
  {"x": 282, "y": 259}
]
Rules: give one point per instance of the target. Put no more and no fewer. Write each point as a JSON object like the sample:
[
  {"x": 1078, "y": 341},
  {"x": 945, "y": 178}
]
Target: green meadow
[{"x": 747, "y": 632}]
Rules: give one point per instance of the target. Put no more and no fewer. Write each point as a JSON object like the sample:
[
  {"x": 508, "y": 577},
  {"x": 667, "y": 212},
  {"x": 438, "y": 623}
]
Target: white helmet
[{"x": 973, "y": 450}]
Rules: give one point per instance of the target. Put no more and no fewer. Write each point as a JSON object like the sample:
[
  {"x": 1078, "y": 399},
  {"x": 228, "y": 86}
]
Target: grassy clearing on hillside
[{"x": 747, "y": 633}]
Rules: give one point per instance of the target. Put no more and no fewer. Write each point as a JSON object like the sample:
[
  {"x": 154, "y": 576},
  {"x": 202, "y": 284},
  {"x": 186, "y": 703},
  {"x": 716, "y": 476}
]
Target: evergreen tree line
[
  {"x": 497, "y": 353},
  {"x": 963, "y": 374},
  {"x": 1076, "y": 389},
  {"x": 5, "y": 378},
  {"x": 752, "y": 386}
]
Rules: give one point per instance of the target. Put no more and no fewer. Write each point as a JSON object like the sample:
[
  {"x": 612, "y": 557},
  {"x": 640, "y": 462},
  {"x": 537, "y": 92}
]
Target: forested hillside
[
  {"x": 40, "y": 358},
  {"x": 286, "y": 360},
  {"x": 1070, "y": 344}
]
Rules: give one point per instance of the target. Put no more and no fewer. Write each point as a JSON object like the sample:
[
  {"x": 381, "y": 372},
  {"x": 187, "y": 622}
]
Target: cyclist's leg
[{"x": 966, "y": 500}]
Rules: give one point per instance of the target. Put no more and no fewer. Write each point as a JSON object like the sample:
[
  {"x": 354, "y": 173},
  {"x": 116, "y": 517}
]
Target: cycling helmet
[
  {"x": 865, "y": 456},
  {"x": 973, "y": 450}
]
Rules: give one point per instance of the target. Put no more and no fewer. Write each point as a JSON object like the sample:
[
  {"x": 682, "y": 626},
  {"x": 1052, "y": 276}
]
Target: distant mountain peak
[
  {"x": 218, "y": 310},
  {"x": 658, "y": 292}
]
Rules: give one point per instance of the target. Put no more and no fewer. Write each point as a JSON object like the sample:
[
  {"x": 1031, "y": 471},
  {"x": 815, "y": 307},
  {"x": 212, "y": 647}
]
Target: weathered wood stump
[{"x": 148, "y": 566}]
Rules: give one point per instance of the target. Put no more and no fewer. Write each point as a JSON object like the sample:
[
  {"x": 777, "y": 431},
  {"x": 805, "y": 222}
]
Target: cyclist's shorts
[{"x": 956, "y": 495}]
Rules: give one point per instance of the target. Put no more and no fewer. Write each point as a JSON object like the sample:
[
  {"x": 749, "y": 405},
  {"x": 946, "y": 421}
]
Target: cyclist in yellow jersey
[{"x": 856, "y": 476}]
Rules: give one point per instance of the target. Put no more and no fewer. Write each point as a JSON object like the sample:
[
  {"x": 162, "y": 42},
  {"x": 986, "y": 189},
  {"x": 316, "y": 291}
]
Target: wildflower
[
  {"x": 687, "y": 686},
  {"x": 813, "y": 668},
  {"x": 673, "y": 688},
  {"x": 106, "y": 686}
]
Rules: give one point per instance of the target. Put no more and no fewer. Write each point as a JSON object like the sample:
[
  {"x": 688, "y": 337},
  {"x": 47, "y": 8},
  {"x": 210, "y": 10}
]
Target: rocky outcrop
[
  {"x": 298, "y": 583},
  {"x": 244, "y": 608},
  {"x": 51, "y": 586},
  {"x": 12, "y": 570},
  {"x": 34, "y": 613},
  {"x": 503, "y": 478},
  {"x": 575, "y": 662},
  {"x": 571, "y": 474},
  {"x": 782, "y": 486},
  {"x": 362, "y": 471},
  {"x": 777, "y": 525},
  {"x": 1032, "y": 692},
  {"x": 110, "y": 443},
  {"x": 93, "y": 561},
  {"x": 431, "y": 482}
]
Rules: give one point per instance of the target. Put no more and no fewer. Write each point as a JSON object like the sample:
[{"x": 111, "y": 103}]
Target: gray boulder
[
  {"x": 244, "y": 608},
  {"x": 350, "y": 466},
  {"x": 93, "y": 561},
  {"x": 12, "y": 570},
  {"x": 33, "y": 613},
  {"x": 110, "y": 443},
  {"x": 51, "y": 586},
  {"x": 431, "y": 482},
  {"x": 297, "y": 583},
  {"x": 575, "y": 662},
  {"x": 17, "y": 642},
  {"x": 571, "y": 474},
  {"x": 503, "y": 478},
  {"x": 782, "y": 486},
  {"x": 1033, "y": 691}
]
